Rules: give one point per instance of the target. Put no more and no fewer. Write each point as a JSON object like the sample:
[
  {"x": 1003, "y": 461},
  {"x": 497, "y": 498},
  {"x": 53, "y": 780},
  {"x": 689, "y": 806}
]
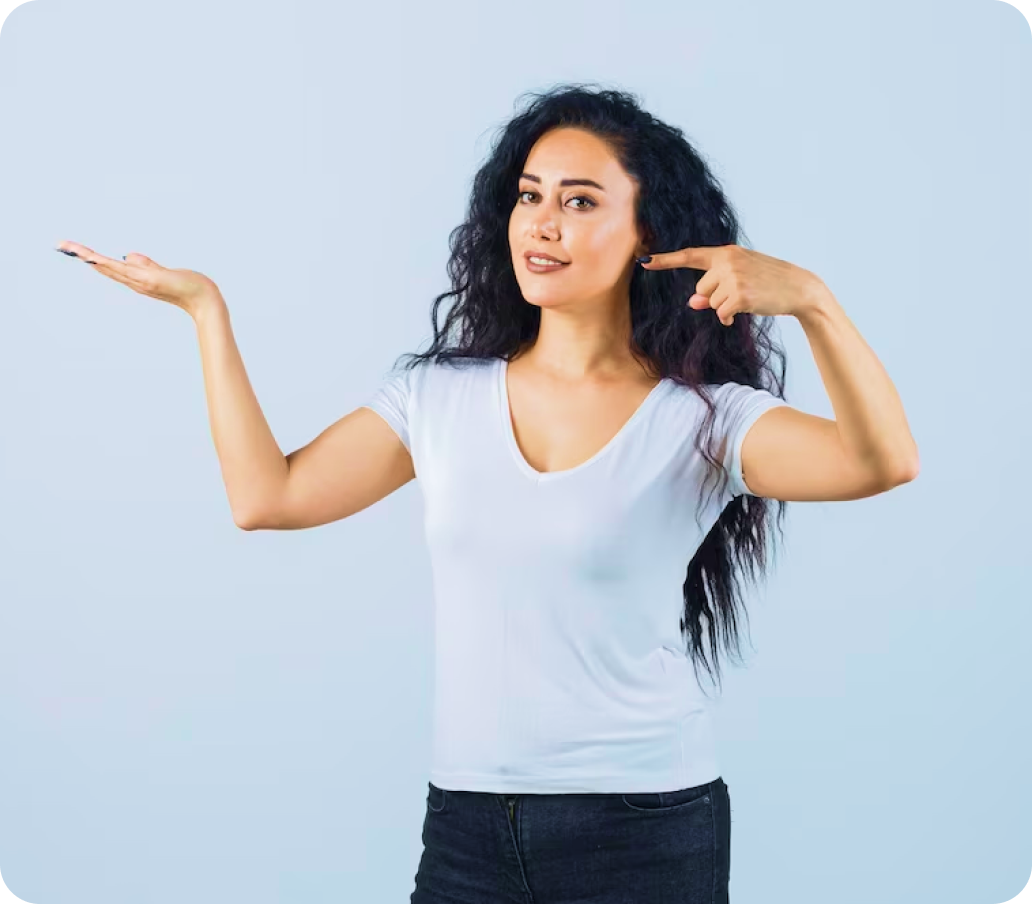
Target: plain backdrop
[{"x": 194, "y": 712}]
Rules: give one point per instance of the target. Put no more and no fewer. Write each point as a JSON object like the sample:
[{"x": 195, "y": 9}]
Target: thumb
[{"x": 133, "y": 258}]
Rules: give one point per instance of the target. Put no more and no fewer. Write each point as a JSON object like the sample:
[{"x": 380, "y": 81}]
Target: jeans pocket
[
  {"x": 670, "y": 801},
  {"x": 436, "y": 798}
]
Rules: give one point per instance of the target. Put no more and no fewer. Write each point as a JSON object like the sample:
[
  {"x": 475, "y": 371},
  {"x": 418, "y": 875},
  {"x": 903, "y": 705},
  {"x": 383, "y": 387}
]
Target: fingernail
[
  {"x": 70, "y": 253},
  {"x": 644, "y": 260}
]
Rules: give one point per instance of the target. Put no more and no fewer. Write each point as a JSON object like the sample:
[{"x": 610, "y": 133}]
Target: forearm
[
  {"x": 868, "y": 410},
  {"x": 254, "y": 468}
]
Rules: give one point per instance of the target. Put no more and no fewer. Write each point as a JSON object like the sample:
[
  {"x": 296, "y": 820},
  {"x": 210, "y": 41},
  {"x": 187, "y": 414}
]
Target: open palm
[{"x": 186, "y": 289}]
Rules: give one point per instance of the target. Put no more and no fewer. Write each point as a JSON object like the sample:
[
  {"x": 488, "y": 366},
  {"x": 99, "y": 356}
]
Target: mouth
[{"x": 543, "y": 263}]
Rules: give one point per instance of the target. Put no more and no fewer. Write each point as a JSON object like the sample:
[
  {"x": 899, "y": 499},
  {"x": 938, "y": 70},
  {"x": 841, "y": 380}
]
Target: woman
[{"x": 558, "y": 438}]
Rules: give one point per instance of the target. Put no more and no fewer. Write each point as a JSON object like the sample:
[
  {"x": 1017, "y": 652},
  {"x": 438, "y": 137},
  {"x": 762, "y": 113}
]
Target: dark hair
[{"x": 679, "y": 204}]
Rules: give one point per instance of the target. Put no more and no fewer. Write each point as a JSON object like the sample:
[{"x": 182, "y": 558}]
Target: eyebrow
[{"x": 590, "y": 182}]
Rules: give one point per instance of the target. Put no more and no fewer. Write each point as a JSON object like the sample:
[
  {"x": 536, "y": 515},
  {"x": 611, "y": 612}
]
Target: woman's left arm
[
  {"x": 868, "y": 410},
  {"x": 872, "y": 428}
]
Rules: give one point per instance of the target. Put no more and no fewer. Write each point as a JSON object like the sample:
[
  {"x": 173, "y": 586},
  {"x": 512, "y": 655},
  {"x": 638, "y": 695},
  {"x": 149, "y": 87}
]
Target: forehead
[{"x": 574, "y": 152}]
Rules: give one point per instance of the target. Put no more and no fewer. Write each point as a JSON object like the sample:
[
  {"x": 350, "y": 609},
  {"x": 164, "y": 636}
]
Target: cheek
[
  {"x": 514, "y": 228},
  {"x": 605, "y": 239},
  {"x": 604, "y": 249}
]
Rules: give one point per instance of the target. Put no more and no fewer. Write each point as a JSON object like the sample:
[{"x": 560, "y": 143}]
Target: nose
[{"x": 544, "y": 227}]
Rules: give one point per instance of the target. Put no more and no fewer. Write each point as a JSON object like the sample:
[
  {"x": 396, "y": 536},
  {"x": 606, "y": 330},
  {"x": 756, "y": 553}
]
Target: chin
[{"x": 545, "y": 299}]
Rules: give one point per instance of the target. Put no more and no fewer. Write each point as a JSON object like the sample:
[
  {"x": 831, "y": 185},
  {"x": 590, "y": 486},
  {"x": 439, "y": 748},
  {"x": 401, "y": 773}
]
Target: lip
[
  {"x": 538, "y": 268},
  {"x": 547, "y": 268},
  {"x": 528, "y": 254}
]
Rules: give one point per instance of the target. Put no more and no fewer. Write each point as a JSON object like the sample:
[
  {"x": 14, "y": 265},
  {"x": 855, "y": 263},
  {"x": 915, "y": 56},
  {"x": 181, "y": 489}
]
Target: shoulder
[{"x": 725, "y": 397}]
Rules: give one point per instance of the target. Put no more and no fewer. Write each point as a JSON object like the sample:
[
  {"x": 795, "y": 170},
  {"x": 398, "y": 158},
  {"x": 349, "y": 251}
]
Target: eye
[{"x": 588, "y": 200}]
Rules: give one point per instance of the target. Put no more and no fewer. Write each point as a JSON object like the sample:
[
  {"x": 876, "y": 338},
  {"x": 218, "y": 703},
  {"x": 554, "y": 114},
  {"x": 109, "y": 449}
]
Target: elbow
[
  {"x": 265, "y": 516},
  {"x": 907, "y": 472},
  {"x": 247, "y": 522},
  {"x": 913, "y": 466}
]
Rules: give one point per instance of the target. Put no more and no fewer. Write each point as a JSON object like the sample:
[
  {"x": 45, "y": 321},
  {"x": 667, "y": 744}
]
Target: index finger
[{"x": 696, "y": 258}]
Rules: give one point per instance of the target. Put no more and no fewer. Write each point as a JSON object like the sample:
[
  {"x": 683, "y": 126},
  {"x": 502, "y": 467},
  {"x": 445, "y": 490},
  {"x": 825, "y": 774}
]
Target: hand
[
  {"x": 740, "y": 281},
  {"x": 186, "y": 289}
]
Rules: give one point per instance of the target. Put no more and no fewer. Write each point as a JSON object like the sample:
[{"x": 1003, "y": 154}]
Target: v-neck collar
[{"x": 505, "y": 413}]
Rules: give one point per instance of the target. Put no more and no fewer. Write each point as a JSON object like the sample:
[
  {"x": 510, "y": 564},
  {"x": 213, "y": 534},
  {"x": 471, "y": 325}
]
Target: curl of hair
[{"x": 680, "y": 204}]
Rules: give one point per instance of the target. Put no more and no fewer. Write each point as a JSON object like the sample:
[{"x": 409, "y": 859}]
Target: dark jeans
[{"x": 657, "y": 848}]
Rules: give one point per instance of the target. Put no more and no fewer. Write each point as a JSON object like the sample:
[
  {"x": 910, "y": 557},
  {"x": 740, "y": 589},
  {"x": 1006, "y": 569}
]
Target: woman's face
[{"x": 591, "y": 227}]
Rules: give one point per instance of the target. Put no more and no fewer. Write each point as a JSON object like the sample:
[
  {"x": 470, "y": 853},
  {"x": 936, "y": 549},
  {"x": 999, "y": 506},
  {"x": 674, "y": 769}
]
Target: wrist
[
  {"x": 206, "y": 307},
  {"x": 817, "y": 301}
]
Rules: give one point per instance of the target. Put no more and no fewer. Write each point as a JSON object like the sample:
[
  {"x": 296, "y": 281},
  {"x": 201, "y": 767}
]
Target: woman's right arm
[
  {"x": 349, "y": 466},
  {"x": 254, "y": 469},
  {"x": 352, "y": 464}
]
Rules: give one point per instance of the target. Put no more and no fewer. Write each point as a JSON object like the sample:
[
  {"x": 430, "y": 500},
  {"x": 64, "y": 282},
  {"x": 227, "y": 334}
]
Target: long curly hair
[{"x": 679, "y": 204}]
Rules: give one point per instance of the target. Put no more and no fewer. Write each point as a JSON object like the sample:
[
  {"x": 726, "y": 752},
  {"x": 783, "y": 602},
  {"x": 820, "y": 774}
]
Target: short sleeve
[
  {"x": 738, "y": 407},
  {"x": 393, "y": 402}
]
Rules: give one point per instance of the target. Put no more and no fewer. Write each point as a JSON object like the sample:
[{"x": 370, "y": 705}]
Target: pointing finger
[{"x": 700, "y": 258}]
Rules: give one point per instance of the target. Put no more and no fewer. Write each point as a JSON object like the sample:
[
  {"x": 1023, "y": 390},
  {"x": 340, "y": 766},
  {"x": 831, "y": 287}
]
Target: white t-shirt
[{"x": 559, "y": 662}]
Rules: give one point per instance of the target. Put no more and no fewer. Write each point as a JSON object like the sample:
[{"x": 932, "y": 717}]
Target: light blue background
[{"x": 193, "y": 712}]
